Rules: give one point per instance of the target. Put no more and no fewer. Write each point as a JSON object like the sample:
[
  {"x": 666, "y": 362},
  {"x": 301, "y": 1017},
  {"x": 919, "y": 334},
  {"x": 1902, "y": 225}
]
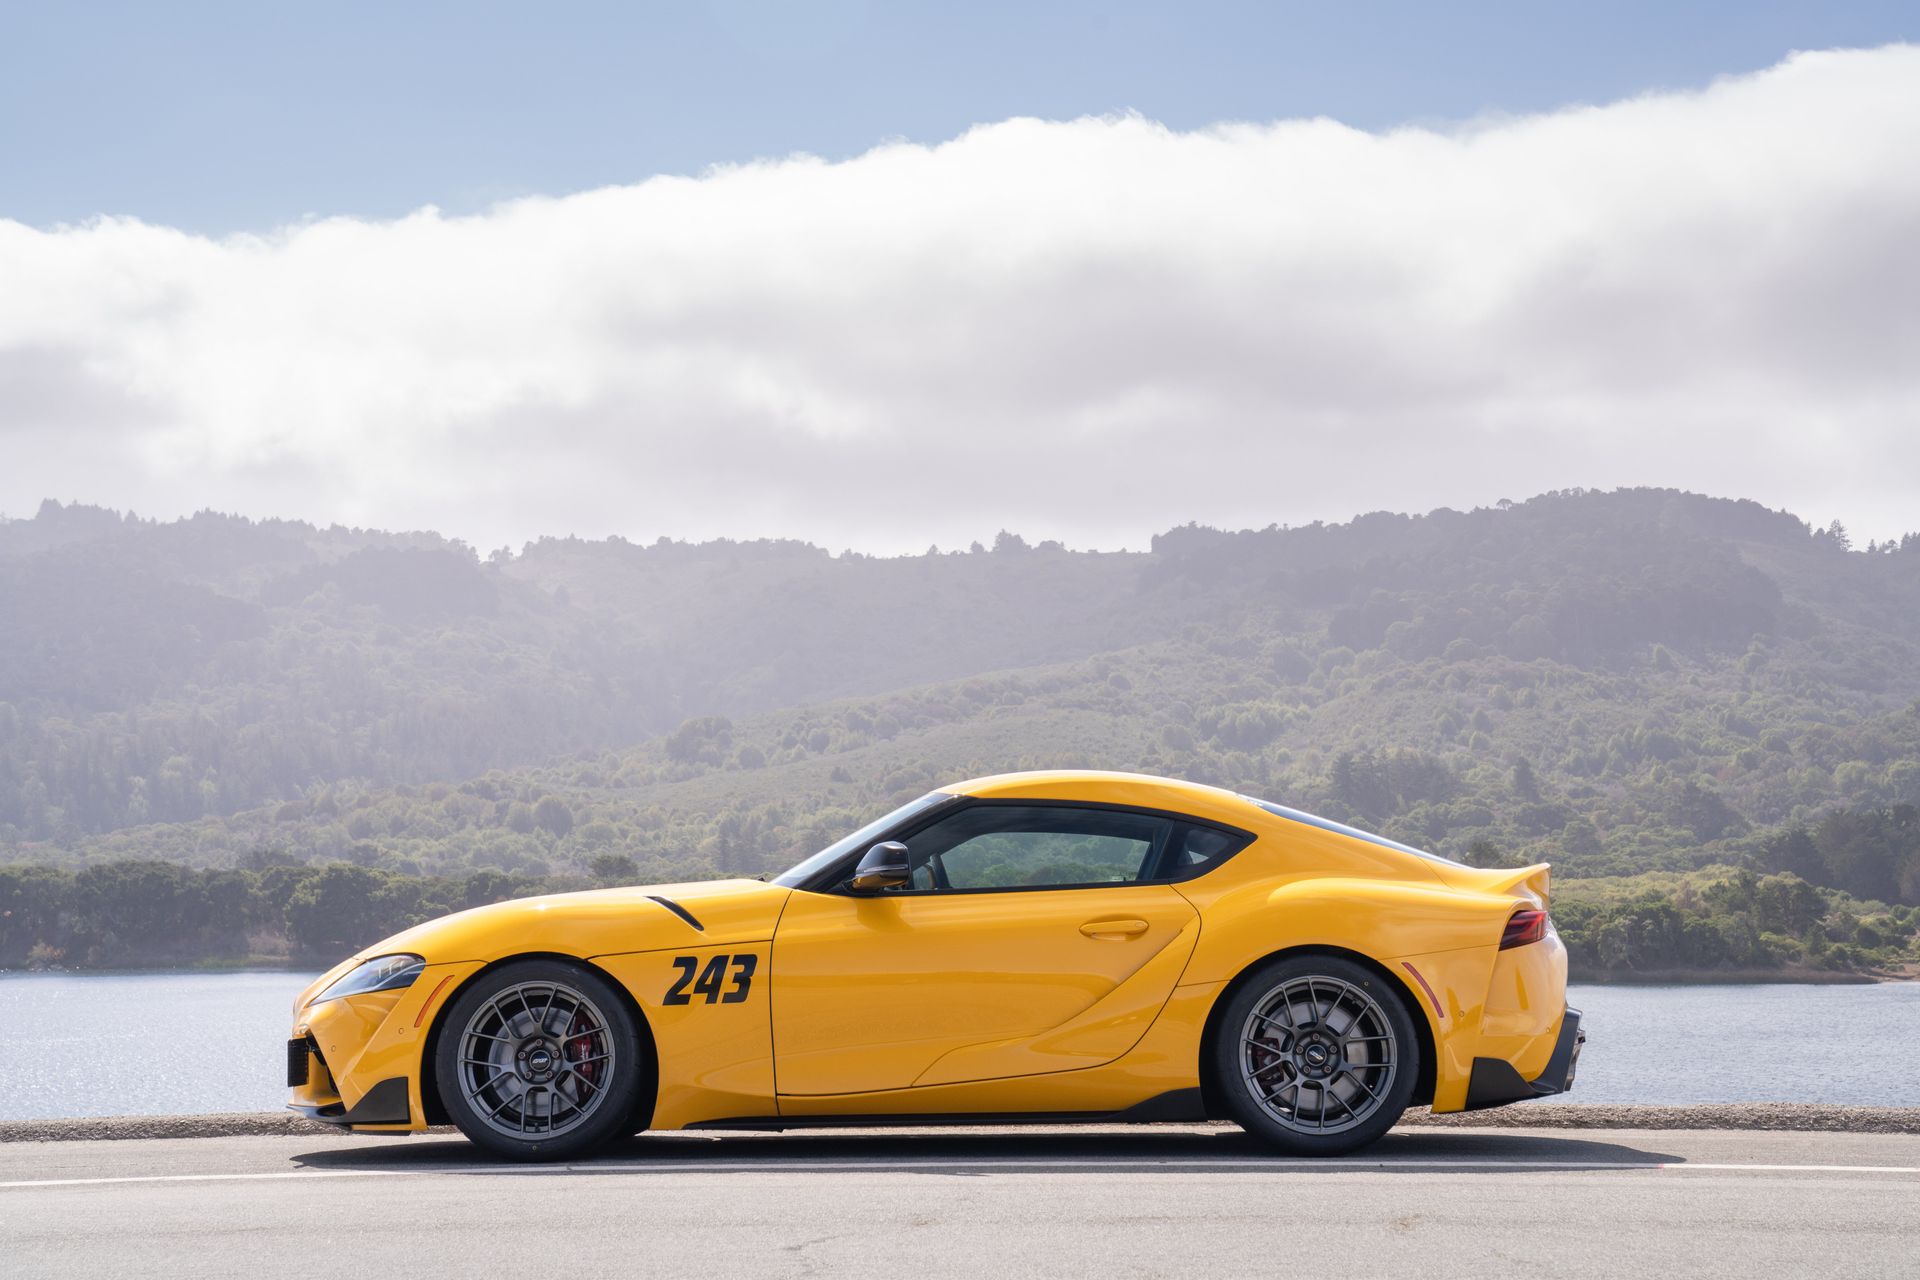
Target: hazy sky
[
  {"x": 1511, "y": 254},
  {"x": 216, "y": 117}
]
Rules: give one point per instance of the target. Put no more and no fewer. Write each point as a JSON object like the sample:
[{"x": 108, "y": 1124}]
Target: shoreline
[
  {"x": 1787, "y": 1117},
  {"x": 1736, "y": 978}
]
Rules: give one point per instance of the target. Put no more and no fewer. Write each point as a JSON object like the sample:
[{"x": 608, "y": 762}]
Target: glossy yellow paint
[
  {"x": 714, "y": 1059},
  {"x": 904, "y": 990},
  {"x": 1064, "y": 1000},
  {"x": 1164, "y": 1060},
  {"x": 366, "y": 1039}
]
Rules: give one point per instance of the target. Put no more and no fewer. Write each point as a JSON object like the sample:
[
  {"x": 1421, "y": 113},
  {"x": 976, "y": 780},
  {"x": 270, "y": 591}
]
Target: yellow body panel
[
  {"x": 1077, "y": 1000},
  {"x": 1164, "y": 1061},
  {"x": 715, "y": 1060},
  {"x": 887, "y": 993}
]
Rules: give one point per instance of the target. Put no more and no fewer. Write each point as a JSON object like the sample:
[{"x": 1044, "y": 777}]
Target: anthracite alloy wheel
[
  {"x": 540, "y": 1060},
  {"x": 1316, "y": 1054}
]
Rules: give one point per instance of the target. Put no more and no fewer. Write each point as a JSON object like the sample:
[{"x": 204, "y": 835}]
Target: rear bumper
[{"x": 1495, "y": 1083}]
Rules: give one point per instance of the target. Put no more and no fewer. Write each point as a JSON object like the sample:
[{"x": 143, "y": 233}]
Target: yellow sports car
[{"x": 1034, "y": 946}]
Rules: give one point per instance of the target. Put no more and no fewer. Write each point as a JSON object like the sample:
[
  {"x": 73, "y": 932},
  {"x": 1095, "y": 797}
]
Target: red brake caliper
[{"x": 580, "y": 1048}]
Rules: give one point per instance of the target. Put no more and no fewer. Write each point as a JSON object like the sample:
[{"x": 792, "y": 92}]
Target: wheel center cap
[{"x": 538, "y": 1060}]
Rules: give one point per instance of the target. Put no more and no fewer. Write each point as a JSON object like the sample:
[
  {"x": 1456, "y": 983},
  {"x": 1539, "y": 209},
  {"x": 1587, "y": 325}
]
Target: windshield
[{"x": 796, "y": 876}]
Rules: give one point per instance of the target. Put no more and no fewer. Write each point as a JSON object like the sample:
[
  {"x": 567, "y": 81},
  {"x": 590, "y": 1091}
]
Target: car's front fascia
[{"x": 364, "y": 1054}]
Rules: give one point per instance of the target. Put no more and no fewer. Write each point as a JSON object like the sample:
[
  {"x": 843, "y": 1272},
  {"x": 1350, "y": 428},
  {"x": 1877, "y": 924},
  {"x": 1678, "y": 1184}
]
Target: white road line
[
  {"x": 1799, "y": 1168},
  {"x": 936, "y": 1165}
]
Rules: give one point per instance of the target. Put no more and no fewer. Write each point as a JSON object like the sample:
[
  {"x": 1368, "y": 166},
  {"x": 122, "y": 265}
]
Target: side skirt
[{"x": 1176, "y": 1105}]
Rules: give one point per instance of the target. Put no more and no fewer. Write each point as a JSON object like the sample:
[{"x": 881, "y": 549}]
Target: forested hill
[
  {"x": 163, "y": 672},
  {"x": 1616, "y": 682}
]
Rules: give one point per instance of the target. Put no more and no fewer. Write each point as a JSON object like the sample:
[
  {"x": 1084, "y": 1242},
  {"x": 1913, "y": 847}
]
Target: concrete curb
[
  {"x": 1794, "y": 1117},
  {"x": 1776, "y": 1116},
  {"x": 239, "y": 1124}
]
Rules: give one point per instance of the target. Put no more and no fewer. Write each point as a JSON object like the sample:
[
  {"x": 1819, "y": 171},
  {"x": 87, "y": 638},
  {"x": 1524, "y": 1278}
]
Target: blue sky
[{"x": 219, "y": 117}]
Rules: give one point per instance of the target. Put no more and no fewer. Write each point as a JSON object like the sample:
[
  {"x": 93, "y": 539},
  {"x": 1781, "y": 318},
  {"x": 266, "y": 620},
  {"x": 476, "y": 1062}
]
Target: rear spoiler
[
  {"x": 1518, "y": 882},
  {"x": 1522, "y": 882}
]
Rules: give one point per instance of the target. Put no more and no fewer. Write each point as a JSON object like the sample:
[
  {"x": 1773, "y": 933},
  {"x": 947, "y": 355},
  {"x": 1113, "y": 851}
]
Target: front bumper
[
  {"x": 1495, "y": 1083},
  {"x": 385, "y": 1104},
  {"x": 357, "y": 1060},
  {"x": 314, "y": 1097}
]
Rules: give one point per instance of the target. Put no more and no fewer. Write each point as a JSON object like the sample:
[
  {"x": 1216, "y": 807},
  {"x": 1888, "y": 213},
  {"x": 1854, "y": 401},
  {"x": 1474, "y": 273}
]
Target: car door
[{"x": 1032, "y": 938}]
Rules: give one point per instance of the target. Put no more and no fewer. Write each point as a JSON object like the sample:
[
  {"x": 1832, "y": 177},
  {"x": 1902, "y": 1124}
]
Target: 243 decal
[{"x": 707, "y": 980}]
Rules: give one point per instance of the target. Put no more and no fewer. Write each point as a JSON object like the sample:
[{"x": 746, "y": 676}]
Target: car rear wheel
[
  {"x": 1316, "y": 1055},
  {"x": 540, "y": 1060}
]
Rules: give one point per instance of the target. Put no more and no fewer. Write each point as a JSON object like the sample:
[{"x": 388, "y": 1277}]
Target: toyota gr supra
[{"x": 1034, "y": 946}]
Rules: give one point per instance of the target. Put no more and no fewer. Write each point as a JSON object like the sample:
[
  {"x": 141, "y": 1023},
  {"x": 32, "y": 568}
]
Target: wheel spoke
[
  {"x": 1286, "y": 1029},
  {"x": 1293, "y": 1084},
  {"x": 1359, "y": 1081},
  {"x": 1362, "y": 1006},
  {"x": 503, "y": 1102}
]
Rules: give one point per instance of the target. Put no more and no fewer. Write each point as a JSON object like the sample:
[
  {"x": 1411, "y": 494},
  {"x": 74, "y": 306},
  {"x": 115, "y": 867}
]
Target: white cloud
[{"x": 1089, "y": 330}]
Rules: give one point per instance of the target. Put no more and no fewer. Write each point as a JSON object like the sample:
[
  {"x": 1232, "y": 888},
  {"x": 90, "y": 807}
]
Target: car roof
[
  {"x": 1095, "y": 786},
  {"x": 1147, "y": 791}
]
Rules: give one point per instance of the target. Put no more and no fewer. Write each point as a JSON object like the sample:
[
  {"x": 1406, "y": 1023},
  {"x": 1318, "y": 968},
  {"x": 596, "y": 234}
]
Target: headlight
[{"x": 383, "y": 973}]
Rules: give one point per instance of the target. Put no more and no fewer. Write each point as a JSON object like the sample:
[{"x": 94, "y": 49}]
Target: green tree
[
  {"x": 553, "y": 816},
  {"x": 340, "y": 910},
  {"x": 614, "y": 868},
  {"x": 1525, "y": 785}
]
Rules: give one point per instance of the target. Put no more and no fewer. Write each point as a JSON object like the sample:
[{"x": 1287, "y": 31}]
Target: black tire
[
  {"x": 1333, "y": 1053},
  {"x": 535, "y": 1029}
]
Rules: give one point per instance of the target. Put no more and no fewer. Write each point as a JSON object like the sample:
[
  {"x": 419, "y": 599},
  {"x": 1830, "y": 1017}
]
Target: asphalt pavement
[{"x": 1160, "y": 1201}]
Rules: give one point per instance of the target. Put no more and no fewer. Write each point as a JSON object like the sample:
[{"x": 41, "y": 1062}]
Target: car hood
[{"x": 598, "y": 922}]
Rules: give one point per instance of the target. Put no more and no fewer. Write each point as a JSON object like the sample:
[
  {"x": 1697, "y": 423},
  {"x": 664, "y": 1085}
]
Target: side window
[
  {"x": 1195, "y": 850},
  {"x": 1034, "y": 847}
]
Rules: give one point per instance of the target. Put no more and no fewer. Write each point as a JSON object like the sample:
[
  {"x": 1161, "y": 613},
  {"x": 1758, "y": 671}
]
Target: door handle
[{"x": 1114, "y": 930}]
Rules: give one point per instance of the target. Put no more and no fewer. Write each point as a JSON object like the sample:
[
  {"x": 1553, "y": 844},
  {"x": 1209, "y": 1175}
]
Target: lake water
[{"x": 153, "y": 1044}]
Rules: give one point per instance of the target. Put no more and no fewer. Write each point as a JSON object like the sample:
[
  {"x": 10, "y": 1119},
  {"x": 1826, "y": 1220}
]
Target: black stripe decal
[{"x": 678, "y": 910}]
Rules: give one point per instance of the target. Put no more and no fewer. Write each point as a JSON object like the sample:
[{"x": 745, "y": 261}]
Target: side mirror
[{"x": 883, "y": 867}]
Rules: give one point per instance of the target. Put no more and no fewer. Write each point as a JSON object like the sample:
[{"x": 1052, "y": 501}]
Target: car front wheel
[
  {"x": 1316, "y": 1055},
  {"x": 540, "y": 1060}
]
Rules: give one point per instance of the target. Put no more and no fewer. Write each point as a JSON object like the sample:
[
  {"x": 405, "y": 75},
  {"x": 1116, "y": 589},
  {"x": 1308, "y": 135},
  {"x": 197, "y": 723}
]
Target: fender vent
[{"x": 678, "y": 910}]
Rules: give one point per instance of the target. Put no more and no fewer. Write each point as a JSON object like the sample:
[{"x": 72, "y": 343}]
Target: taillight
[{"x": 1524, "y": 926}]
